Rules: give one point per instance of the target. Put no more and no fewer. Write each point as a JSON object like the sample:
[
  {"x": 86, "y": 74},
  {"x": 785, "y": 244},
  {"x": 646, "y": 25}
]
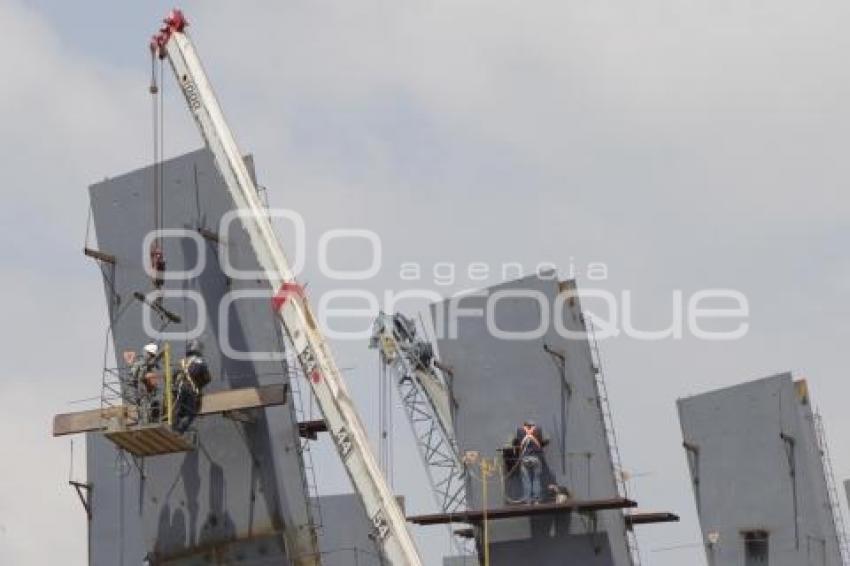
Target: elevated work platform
[
  {"x": 150, "y": 440},
  {"x": 632, "y": 519},
  {"x": 96, "y": 420},
  {"x": 477, "y": 516}
]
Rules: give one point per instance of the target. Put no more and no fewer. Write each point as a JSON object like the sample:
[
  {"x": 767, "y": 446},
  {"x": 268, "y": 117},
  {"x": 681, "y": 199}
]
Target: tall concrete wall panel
[
  {"x": 499, "y": 381},
  {"x": 242, "y": 492},
  {"x": 758, "y": 475},
  {"x": 345, "y": 538}
]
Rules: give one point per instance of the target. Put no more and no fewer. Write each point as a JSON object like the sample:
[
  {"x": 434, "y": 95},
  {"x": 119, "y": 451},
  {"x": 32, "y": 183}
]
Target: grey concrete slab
[
  {"x": 499, "y": 381},
  {"x": 243, "y": 488},
  {"x": 757, "y": 474},
  {"x": 345, "y": 537},
  {"x": 560, "y": 550}
]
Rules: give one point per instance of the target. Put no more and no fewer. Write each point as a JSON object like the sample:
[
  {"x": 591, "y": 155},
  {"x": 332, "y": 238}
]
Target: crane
[
  {"x": 289, "y": 301},
  {"x": 427, "y": 403}
]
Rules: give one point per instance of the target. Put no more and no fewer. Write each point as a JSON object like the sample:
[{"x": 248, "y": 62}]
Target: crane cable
[
  {"x": 154, "y": 91},
  {"x": 385, "y": 420},
  {"x": 156, "y": 88},
  {"x": 161, "y": 147}
]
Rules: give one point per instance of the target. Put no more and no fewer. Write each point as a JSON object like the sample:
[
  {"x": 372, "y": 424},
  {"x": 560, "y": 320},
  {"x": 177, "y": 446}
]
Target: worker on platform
[
  {"x": 190, "y": 381},
  {"x": 144, "y": 383},
  {"x": 529, "y": 443}
]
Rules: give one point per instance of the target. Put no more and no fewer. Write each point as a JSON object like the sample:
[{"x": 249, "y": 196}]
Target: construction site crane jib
[
  {"x": 290, "y": 302},
  {"x": 426, "y": 400}
]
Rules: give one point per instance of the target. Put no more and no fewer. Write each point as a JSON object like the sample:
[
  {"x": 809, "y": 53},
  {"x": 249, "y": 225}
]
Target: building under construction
[{"x": 187, "y": 253}]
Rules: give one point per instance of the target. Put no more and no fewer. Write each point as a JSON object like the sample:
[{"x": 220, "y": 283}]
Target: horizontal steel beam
[
  {"x": 209, "y": 235},
  {"x": 633, "y": 519},
  {"x": 311, "y": 429},
  {"x": 100, "y": 256},
  {"x": 477, "y": 516}
]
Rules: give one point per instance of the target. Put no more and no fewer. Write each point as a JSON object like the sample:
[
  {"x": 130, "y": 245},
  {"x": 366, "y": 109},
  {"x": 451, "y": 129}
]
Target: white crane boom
[
  {"x": 299, "y": 324},
  {"x": 427, "y": 401}
]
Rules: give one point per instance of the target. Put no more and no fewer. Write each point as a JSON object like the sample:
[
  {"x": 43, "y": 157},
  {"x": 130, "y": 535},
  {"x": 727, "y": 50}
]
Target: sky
[{"x": 687, "y": 145}]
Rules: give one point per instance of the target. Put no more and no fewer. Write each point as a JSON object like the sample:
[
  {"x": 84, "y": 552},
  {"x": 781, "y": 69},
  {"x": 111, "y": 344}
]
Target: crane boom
[
  {"x": 427, "y": 401},
  {"x": 290, "y": 302}
]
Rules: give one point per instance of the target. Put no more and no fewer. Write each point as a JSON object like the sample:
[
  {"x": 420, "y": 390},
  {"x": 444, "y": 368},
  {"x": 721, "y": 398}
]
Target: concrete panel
[
  {"x": 506, "y": 530},
  {"x": 564, "y": 550},
  {"x": 499, "y": 381},
  {"x": 243, "y": 489},
  {"x": 345, "y": 537},
  {"x": 757, "y": 473}
]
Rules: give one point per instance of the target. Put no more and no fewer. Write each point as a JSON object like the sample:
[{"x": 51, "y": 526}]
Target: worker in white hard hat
[
  {"x": 529, "y": 443},
  {"x": 145, "y": 383}
]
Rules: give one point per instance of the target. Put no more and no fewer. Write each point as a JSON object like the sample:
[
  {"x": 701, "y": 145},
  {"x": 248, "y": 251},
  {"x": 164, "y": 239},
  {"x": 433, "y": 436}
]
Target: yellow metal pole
[
  {"x": 485, "y": 473},
  {"x": 166, "y": 356}
]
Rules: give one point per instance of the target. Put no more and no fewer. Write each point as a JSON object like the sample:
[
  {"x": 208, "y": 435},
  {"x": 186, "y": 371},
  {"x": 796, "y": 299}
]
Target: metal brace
[{"x": 84, "y": 493}]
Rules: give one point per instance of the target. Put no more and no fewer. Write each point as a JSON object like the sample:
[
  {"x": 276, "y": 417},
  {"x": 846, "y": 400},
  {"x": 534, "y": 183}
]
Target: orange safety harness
[
  {"x": 529, "y": 437},
  {"x": 184, "y": 374}
]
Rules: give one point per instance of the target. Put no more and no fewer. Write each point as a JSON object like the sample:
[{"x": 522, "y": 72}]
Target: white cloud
[{"x": 704, "y": 106}]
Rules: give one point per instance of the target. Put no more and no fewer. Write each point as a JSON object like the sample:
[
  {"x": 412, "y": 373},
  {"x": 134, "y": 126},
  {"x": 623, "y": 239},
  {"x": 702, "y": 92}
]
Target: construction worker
[
  {"x": 144, "y": 383},
  {"x": 529, "y": 443},
  {"x": 190, "y": 381}
]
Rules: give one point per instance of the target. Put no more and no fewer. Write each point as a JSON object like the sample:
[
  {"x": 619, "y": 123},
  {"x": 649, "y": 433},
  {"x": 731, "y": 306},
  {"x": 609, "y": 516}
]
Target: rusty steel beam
[
  {"x": 209, "y": 235},
  {"x": 311, "y": 429},
  {"x": 158, "y": 308},
  {"x": 633, "y": 519},
  {"x": 477, "y": 516},
  {"x": 100, "y": 256}
]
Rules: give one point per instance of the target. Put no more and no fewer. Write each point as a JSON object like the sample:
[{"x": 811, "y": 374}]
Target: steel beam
[{"x": 477, "y": 516}]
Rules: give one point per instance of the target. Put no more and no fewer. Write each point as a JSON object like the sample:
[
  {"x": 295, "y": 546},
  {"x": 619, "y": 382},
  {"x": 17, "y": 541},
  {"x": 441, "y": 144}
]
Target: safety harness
[{"x": 529, "y": 438}]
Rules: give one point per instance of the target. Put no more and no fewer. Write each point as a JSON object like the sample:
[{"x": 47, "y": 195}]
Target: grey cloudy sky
[{"x": 686, "y": 144}]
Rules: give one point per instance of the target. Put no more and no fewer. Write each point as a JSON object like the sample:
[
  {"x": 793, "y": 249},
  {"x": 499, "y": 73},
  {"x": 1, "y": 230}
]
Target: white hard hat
[{"x": 151, "y": 349}]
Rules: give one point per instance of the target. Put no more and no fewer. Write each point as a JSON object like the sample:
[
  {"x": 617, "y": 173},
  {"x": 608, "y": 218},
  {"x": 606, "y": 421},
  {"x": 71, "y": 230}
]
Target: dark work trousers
[{"x": 186, "y": 406}]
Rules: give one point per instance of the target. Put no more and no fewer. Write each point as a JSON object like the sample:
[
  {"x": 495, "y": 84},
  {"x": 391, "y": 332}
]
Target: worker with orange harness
[{"x": 529, "y": 443}]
